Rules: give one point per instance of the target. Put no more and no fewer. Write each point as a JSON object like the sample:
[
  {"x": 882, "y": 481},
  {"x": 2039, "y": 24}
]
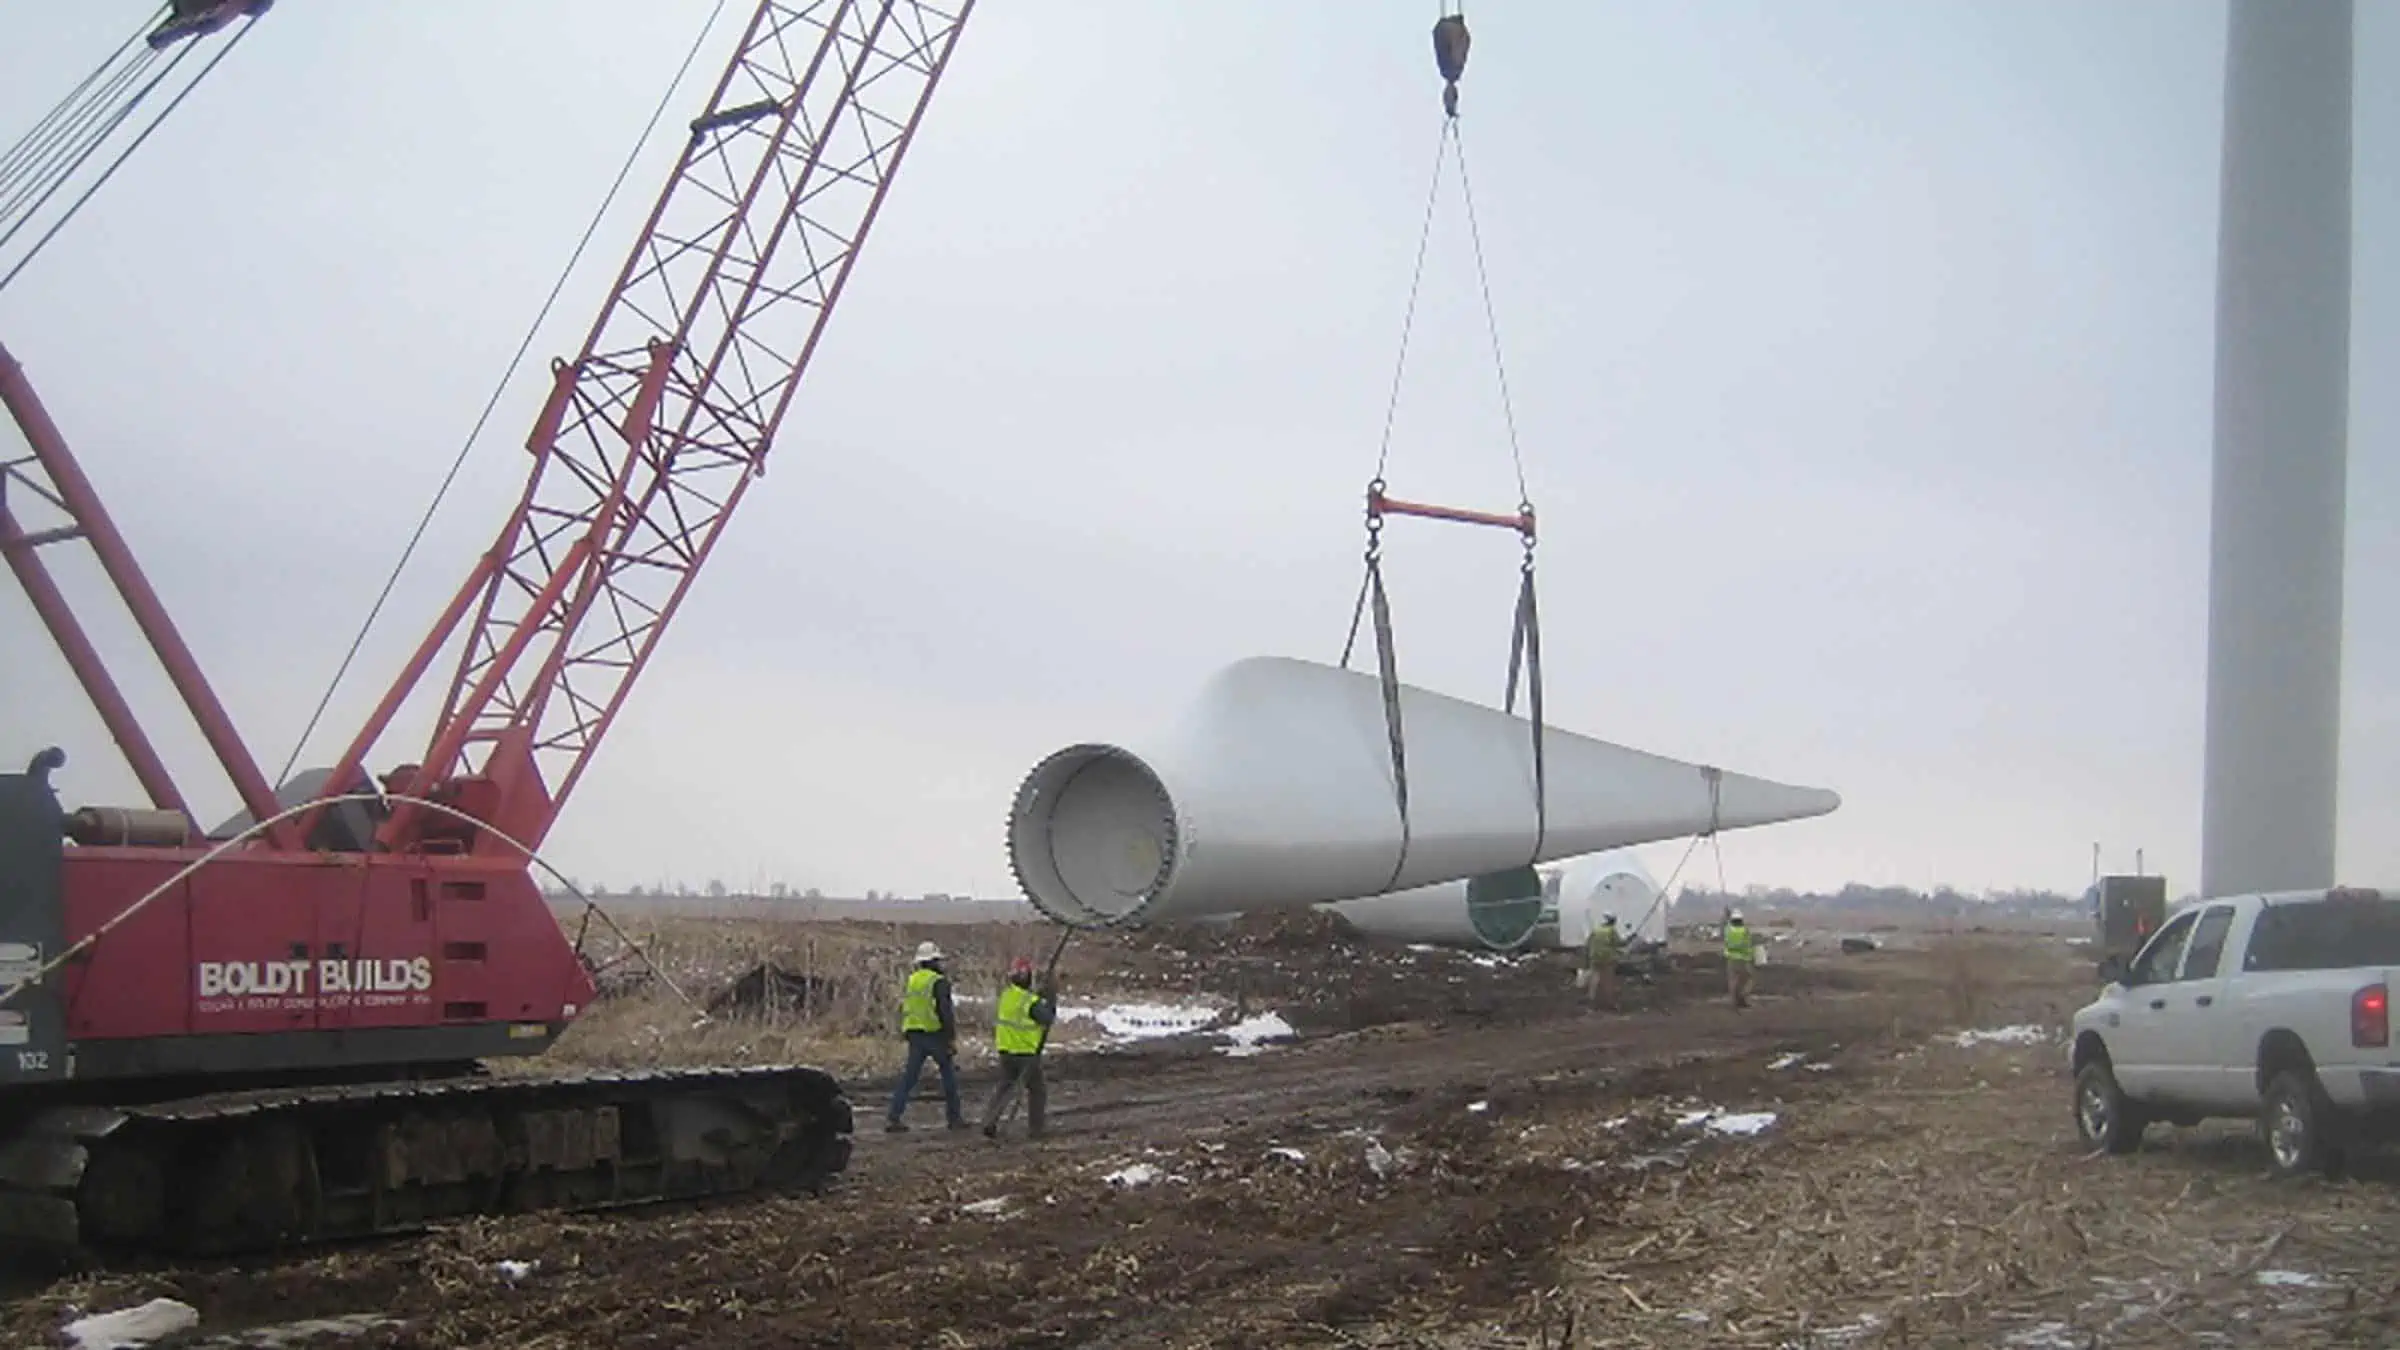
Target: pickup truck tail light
[{"x": 2371, "y": 1016}]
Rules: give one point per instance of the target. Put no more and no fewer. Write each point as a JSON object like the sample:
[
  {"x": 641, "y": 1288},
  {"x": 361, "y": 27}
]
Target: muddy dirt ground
[{"x": 1454, "y": 1153}]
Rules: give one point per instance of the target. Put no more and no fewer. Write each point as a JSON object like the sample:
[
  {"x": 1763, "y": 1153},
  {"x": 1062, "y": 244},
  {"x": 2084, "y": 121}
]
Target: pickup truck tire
[
  {"x": 2104, "y": 1117},
  {"x": 2297, "y": 1125}
]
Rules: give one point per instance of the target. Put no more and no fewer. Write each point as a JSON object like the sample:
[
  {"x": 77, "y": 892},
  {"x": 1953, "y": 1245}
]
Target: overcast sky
[{"x": 1861, "y": 355}]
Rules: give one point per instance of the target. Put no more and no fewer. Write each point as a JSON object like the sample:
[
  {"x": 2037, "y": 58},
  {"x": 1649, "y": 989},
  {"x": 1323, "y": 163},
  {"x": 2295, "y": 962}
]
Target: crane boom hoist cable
[
  {"x": 107, "y": 104},
  {"x": 1451, "y": 41}
]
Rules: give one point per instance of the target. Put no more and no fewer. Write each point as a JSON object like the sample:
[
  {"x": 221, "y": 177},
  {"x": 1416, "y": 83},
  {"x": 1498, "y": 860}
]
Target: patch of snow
[
  {"x": 1616, "y": 1122},
  {"x": 1478, "y": 1107},
  {"x": 1134, "y": 1177},
  {"x": 1717, "y": 1120},
  {"x": 2016, "y": 1035},
  {"x": 995, "y": 1208},
  {"x": 1293, "y": 1154},
  {"x": 131, "y": 1327},
  {"x": 1643, "y": 1162},
  {"x": 313, "y": 1331},
  {"x": 1379, "y": 1159},
  {"x": 2125, "y": 1302},
  {"x": 513, "y": 1271},
  {"x": 1423, "y": 947},
  {"x": 1253, "y": 1034},
  {"x": 2044, "y": 1336},
  {"x": 2290, "y": 1279},
  {"x": 1817, "y": 1066},
  {"x": 1866, "y": 1325},
  {"x": 1788, "y": 1061},
  {"x": 1143, "y": 1021}
]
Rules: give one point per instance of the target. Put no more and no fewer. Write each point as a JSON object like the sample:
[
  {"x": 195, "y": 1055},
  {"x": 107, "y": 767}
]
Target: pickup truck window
[
  {"x": 2208, "y": 943},
  {"x": 2158, "y": 961},
  {"x": 2333, "y": 934}
]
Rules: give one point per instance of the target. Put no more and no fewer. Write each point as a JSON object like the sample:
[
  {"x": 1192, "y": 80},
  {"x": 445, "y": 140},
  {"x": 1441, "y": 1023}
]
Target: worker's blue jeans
[{"x": 922, "y": 1046}]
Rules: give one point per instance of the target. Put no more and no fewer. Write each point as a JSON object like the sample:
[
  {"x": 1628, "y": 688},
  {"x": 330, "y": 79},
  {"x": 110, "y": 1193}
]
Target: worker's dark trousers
[
  {"x": 922, "y": 1046},
  {"x": 1020, "y": 1071},
  {"x": 1738, "y": 976}
]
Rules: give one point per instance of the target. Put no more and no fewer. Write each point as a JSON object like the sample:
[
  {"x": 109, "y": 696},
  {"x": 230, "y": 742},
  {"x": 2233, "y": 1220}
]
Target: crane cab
[{"x": 32, "y": 921}]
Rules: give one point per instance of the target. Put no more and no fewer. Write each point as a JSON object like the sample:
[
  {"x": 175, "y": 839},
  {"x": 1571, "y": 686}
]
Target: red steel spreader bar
[{"x": 1379, "y": 505}]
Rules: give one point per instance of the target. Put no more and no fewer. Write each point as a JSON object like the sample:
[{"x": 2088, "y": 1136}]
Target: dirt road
[{"x": 1511, "y": 1171}]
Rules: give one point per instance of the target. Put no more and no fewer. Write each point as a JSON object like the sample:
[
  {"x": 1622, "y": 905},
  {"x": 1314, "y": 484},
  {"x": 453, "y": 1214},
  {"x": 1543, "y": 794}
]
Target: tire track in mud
[
  {"x": 1248, "y": 1250},
  {"x": 1345, "y": 1078},
  {"x": 1217, "y": 1266}
]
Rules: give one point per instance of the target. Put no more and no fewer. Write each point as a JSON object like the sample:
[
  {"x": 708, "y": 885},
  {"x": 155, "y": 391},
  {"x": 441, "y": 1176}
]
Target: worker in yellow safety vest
[
  {"x": 930, "y": 1023},
  {"x": 1019, "y": 1030},
  {"x": 1741, "y": 958},
  {"x": 1601, "y": 952}
]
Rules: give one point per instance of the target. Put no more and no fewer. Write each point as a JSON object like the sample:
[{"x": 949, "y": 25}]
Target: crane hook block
[{"x": 1450, "y": 55}]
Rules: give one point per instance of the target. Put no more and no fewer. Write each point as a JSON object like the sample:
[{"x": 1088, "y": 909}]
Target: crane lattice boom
[{"x": 651, "y": 435}]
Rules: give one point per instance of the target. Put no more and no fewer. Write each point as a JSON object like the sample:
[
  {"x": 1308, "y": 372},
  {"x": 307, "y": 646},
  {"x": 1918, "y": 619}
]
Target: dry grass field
[{"x": 1451, "y": 1153}]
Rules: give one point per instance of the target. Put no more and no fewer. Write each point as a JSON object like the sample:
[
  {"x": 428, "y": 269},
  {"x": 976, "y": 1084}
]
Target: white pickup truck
[{"x": 2272, "y": 1007}]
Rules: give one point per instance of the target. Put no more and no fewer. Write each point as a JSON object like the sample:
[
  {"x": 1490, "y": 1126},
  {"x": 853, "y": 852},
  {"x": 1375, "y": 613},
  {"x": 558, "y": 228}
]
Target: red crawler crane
[{"x": 281, "y": 1044}]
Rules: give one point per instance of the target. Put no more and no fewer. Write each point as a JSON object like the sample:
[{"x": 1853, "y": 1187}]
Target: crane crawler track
[{"x": 243, "y": 1171}]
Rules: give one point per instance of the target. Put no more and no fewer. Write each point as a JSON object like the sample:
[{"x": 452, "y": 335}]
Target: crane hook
[{"x": 1450, "y": 41}]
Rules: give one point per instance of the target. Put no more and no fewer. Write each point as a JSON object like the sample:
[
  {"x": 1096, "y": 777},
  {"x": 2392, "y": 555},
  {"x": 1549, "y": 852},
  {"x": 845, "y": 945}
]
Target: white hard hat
[
  {"x": 926, "y": 951},
  {"x": 1735, "y": 916}
]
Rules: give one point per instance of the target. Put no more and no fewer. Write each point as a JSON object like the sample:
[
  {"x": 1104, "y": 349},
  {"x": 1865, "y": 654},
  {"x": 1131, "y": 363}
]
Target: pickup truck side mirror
[{"x": 2112, "y": 971}]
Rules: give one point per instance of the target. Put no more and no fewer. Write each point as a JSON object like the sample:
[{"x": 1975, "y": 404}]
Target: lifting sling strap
[
  {"x": 1372, "y": 596},
  {"x": 1525, "y": 645}
]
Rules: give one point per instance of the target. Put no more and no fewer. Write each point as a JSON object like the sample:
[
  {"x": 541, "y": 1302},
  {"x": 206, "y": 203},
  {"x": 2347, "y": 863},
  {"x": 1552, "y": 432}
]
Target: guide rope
[{"x": 1716, "y": 798}]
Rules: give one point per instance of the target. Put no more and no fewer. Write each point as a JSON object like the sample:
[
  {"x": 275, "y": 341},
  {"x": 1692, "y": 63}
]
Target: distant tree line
[
  {"x": 1860, "y": 897},
  {"x": 714, "y": 890},
  {"x": 1692, "y": 900}
]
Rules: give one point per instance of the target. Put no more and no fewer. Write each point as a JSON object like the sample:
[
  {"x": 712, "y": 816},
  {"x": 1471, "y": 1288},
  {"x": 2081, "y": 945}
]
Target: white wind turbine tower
[{"x": 2282, "y": 425}]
